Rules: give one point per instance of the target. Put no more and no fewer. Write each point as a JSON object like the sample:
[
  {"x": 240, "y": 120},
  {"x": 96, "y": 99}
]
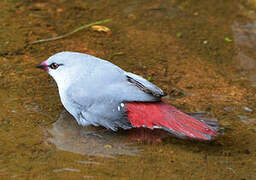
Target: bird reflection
[{"x": 67, "y": 135}]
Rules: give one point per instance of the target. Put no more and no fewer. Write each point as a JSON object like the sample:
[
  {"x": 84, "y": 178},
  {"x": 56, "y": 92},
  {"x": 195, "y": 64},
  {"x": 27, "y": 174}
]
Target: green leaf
[
  {"x": 178, "y": 35},
  {"x": 228, "y": 39}
]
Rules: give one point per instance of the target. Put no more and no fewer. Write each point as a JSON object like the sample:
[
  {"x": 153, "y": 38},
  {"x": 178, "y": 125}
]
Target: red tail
[{"x": 164, "y": 116}]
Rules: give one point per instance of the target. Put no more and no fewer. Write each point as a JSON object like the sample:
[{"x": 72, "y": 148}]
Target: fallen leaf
[
  {"x": 179, "y": 35},
  {"x": 101, "y": 29},
  {"x": 228, "y": 39},
  {"x": 107, "y": 146}
]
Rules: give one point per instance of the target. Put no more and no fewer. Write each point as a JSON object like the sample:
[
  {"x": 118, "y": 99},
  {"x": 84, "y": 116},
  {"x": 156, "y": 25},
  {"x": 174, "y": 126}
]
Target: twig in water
[{"x": 72, "y": 32}]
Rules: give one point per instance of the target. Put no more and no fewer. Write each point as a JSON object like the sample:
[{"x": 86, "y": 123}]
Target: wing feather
[{"x": 145, "y": 85}]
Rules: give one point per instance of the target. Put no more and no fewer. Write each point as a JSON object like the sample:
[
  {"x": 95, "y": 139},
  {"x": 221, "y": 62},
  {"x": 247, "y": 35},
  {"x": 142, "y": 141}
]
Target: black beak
[{"x": 42, "y": 66}]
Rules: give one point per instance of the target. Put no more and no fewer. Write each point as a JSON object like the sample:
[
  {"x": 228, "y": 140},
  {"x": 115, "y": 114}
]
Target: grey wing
[
  {"x": 103, "y": 111},
  {"x": 144, "y": 85},
  {"x": 110, "y": 115}
]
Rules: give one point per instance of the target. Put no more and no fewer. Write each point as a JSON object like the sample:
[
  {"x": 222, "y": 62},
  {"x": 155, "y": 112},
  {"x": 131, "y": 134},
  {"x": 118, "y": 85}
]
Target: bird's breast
[{"x": 69, "y": 105}]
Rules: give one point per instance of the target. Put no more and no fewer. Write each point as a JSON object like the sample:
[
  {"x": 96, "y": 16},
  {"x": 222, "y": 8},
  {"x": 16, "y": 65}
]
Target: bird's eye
[{"x": 54, "y": 66}]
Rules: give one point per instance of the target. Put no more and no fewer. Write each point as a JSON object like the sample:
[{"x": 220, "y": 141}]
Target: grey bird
[{"x": 97, "y": 92}]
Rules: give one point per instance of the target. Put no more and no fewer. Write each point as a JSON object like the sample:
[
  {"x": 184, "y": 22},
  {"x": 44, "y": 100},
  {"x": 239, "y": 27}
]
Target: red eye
[{"x": 54, "y": 66}]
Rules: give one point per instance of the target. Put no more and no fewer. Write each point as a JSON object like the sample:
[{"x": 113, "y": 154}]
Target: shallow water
[{"x": 200, "y": 52}]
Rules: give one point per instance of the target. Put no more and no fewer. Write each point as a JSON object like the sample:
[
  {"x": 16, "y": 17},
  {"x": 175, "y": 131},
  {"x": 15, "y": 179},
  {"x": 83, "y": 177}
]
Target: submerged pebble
[
  {"x": 247, "y": 109},
  {"x": 89, "y": 162},
  {"x": 66, "y": 169},
  {"x": 228, "y": 108},
  {"x": 246, "y": 119}
]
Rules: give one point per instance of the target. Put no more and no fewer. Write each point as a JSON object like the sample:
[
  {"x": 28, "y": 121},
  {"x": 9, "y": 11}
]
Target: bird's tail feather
[{"x": 166, "y": 117}]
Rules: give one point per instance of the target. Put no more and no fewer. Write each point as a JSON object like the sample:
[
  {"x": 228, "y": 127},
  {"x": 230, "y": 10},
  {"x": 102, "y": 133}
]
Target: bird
[{"x": 99, "y": 93}]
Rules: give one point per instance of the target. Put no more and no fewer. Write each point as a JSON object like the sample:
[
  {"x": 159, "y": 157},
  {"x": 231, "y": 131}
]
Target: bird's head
[{"x": 66, "y": 67}]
